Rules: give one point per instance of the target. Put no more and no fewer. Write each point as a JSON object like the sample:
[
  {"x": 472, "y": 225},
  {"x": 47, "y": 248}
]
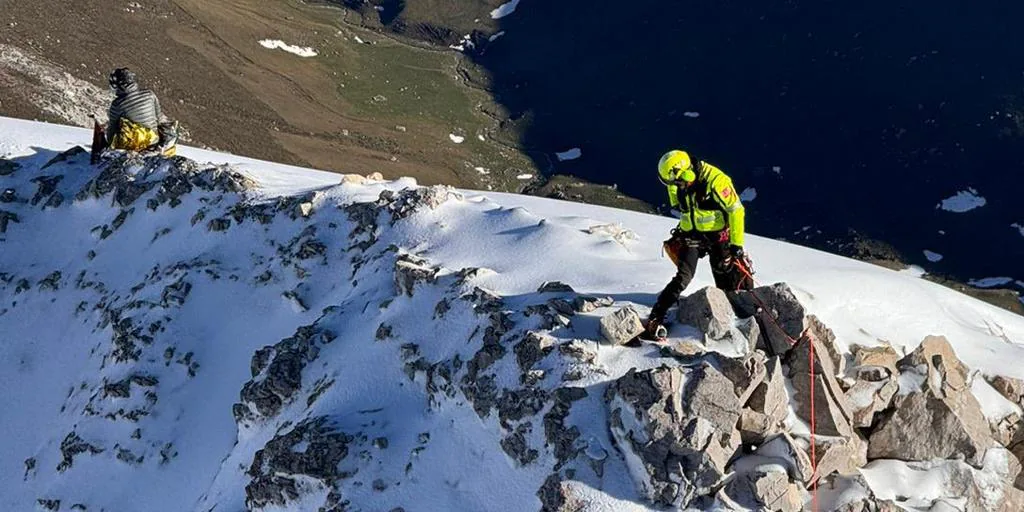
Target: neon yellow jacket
[{"x": 710, "y": 204}]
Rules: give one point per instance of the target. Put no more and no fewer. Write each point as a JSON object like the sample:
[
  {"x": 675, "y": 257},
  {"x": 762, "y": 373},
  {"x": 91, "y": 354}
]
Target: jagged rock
[
  {"x": 313, "y": 449},
  {"x": 767, "y": 407},
  {"x": 867, "y": 398},
  {"x": 1012, "y": 389},
  {"x": 791, "y": 455},
  {"x": 533, "y": 347},
  {"x": 5, "y": 218},
  {"x": 71, "y": 446},
  {"x": 46, "y": 188},
  {"x": 832, "y": 410},
  {"x": 582, "y": 350},
  {"x": 883, "y": 356},
  {"x": 709, "y": 310},
  {"x": 621, "y": 326},
  {"x": 869, "y": 505},
  {"x": 304, "y": 209},
  {"x": 50, "y": 282},
  {"x": 766, "y": 487},
  {"x": 779, "y": 315},
  {"x": 49, "y": 504},
  {"x": 875, "y": 386},
  {"x": 405, "y": 202},
  {"x": 1004, "y": 431},
  {"x": 410, "y": 270},
  {"x": 940, "y": 420},
  {"x": 221, "y": 224},
  {"x": 822, "y": 333},
  {"x": 750, "y": 331},
  {"x": 557, "y": 495},
  {"x": 838, "y": 455},
  {"x": 277, "y": 371},
  {"x": 683, "y": 350},
  {"x": 587, "y": 304},
  {"x": 682, "y": 438},
  {"x": 516, "y": 446},
  {"x": 555, "y": 287},
  {"x": 561, "y": 439},
  {"x": 745, "y": 373}
]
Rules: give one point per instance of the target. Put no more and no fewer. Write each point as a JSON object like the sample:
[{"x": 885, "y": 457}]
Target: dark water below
[{"x": 872, "y": 111}]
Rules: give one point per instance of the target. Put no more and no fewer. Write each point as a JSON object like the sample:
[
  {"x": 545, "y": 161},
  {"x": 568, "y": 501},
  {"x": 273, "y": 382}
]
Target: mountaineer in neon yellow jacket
[{"x": 711, "y": 222}]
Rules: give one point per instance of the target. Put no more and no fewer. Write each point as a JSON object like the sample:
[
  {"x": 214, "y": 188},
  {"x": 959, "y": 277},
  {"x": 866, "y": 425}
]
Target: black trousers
[{"x": 727, "y": 276}]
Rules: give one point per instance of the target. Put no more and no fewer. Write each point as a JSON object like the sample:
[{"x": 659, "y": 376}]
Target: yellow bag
[{"x": 133, "y": 136}]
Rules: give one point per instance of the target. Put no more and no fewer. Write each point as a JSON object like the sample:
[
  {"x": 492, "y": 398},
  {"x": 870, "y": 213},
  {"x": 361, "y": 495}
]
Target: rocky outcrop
[
  {"x": 682, "y": 438},
  {"x": 778, "y": 312},
  {"x": 708, "y": 309},
  {"x": 312, "y": 450},
  {"x": 876, "y": 382},
  {"x": 621, "y": 326},
  {"x": 766, "y": 487},
  {"x": 940, "y": 419},
  {"x": 833, "y": 416},
  {"x": 277, "y": 373},
  {"x": 767, "y": 407}
]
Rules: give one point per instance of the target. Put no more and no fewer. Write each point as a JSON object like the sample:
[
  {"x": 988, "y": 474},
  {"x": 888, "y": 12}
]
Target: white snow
[
  {"x": 465, "y": 43},
  {"x": 748, "y": 194},
  {"x": 990, "y": 282},
  {"x": 994, "y": 405},
  {"x": 358, "y": 40},
  {"x": 524, "y": 177},
  {"x": 495, "y": 37},
  {"x": 505, "y": 9},
  {"x": 55, "y": 357},
  {"x": 932, "y": 256},
  {"x": 1019, "y": 227},
  {"x": 962, "y": 201},
  {"x": 570, "y": 154},
  {"x": 692, "y": 115},
  {"x": 458, "y": 139},
  {"x": 281, "y": 45}
]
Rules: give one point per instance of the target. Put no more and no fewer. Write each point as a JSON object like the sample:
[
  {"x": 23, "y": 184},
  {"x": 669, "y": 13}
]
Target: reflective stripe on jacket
[{"x": 710, "y": 204}]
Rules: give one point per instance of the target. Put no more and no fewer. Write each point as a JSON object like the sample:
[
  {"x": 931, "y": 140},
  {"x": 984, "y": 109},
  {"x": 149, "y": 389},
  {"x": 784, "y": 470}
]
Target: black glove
[{"x": 737, "y": 252}]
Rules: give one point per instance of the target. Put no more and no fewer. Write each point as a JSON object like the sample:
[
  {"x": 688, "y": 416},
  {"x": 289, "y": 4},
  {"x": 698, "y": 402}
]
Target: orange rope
[{"x": 814, "y": 459}]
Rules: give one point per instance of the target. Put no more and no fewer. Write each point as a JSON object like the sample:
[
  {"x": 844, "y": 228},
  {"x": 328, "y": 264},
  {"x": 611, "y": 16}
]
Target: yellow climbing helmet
[{"x": 676, "y": 166}]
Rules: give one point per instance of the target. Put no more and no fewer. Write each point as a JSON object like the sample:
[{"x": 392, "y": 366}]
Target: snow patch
[
  {"x": 692, "y": 115},
  {"x": 524, "y": 177},
  {"x": 504, "y": 9},
  {"x": 994, "y": 406},
  {"x": 458, "y": 139},
  {"x": 990, "y": 282},
  {"x": 933, "y": 257},
  {"x": 272, "y": 44},
  {"x": 464, "y": 44},
  {"x": 495, "y": 37},
  {"x": 1019, "y": 227},
  {"x": 914, "y": 270},
  {"x": 963, "y": 201},
  {"x": 571, "y": 154},
  {"x": 748, "y": 194}
]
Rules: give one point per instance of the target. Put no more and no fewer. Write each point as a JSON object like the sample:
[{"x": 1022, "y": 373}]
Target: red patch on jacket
[{"x": 726, "y": 192}]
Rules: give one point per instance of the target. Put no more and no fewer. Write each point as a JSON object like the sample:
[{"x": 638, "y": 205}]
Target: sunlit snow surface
[{"x": 48, "y": 351}]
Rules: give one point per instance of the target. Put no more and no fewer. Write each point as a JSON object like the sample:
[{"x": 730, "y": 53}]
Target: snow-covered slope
[{"x": 267, "y": 337}]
